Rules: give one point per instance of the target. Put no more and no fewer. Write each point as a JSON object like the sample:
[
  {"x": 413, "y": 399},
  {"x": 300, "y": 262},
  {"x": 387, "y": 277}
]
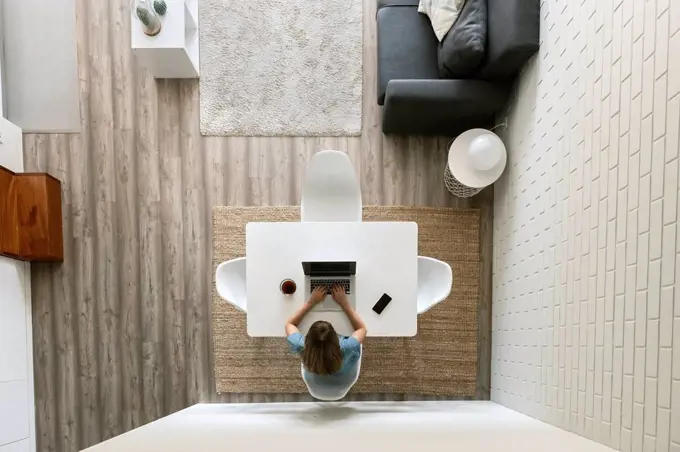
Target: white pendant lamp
[{"x": 476, "y": 160}]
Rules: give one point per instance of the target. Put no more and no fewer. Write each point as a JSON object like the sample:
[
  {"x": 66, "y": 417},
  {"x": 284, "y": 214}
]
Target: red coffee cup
[{"x": 288, "y": 287}]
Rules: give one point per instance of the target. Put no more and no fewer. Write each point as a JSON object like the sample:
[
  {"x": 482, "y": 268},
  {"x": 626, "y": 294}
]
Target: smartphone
[{"x": 382, "y": 303}]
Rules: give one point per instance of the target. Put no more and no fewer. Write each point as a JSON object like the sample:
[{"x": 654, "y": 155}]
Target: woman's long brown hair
[{"x": 322, "y": 354}]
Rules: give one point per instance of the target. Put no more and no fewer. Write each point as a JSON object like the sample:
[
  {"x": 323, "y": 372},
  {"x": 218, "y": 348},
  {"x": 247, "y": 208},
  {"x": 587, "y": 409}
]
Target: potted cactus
[
  {"x": 146, "y": 13},
  {"x": 160, "y": 6}
]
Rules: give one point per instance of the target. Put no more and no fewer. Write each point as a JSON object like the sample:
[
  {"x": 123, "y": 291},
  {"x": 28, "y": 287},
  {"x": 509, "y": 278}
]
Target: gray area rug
[{"x": 281, "y": 67}]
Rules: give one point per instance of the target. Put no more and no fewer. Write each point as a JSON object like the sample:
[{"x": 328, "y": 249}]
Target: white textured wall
[
  {"x": 2, "y": 64},
  {"x": 586, "y": 318},
  {"x": 17, "y": 411},
  {"x": 41, "y": 88}
]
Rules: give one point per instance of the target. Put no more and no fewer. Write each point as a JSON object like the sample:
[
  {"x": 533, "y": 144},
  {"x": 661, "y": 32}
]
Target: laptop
[{"x": 327, "y": 274}]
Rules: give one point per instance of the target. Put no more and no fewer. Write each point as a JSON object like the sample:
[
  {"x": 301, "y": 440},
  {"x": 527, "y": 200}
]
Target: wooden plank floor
[{"x": 122, "y": 328}]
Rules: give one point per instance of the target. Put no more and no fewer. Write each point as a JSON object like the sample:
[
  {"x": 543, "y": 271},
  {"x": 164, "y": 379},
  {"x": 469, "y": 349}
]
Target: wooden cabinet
[
  {"x": 30, "y": 216},
  {"x": 9, "y": 237}
]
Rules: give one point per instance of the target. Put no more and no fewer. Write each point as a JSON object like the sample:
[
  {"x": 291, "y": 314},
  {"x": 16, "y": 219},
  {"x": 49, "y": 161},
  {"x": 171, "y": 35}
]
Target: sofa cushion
[
  {"x": 463, "y": 47},
  {"x": 512, "y": 38},
  {"x": 407, "y": 47},
  {"x": 442, "y": 14}
]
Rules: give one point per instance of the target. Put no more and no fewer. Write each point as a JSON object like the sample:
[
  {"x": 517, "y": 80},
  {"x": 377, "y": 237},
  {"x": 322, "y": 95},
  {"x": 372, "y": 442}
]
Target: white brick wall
[{"x": 586, "y": 317}]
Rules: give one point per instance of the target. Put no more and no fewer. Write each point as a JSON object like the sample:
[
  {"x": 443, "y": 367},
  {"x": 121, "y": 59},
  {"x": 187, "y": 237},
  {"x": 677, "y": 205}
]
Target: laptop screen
[{"x": 329, "y": 268}]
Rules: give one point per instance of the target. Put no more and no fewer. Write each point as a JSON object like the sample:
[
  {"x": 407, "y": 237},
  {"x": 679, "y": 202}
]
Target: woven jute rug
[{"x": 440, "y": 360}]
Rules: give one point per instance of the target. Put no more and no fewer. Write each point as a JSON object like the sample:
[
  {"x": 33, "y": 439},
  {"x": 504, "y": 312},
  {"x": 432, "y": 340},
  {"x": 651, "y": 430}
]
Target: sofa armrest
[
  {"x": 383, "y": 3},
  {"x": 441, "y": 107},
  {"x": 512, "y": 37},
  {"x": 467, "y": 94}
]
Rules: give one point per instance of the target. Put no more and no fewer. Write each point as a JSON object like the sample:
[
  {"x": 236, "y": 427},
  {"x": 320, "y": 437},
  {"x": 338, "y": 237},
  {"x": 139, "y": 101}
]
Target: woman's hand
[
  {"x": 359, "y": 326},
  {"x": 317, "y": 295},
  {"x": 339, "y": 295}
]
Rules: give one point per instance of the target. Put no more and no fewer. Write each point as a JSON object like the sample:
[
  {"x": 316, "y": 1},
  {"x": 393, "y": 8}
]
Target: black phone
[{"x": 379, "y": 307}]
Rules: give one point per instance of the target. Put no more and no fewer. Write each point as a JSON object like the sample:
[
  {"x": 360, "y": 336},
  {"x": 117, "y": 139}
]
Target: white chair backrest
[
  {"x": 434, "y": 282},
  {"x": 230, "y": 279},
  {"x": 330, "y": 393},
  {"x": 330, "y": 191}
]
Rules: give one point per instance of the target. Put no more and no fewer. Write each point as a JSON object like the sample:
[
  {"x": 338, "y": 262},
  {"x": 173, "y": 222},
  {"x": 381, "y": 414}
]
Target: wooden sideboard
[{"x": 30, "y": 216}]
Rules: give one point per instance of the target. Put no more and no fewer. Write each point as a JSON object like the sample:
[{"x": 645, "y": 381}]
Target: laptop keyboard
[{"x": 344, "y": 283}]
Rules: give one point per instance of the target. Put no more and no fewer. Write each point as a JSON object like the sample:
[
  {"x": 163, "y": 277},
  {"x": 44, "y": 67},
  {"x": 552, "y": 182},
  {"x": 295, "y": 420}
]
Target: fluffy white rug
[{"x": 281, "y": 67}]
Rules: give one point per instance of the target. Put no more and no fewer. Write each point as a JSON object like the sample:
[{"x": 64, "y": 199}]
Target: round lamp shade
[{"x": 477, "y": 158}]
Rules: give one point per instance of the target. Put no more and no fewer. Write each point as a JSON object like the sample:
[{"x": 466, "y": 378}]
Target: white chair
[
  {"x": 330, "y": 191},
  {"x": 434, "y": 282},
  {"x": 230, "y": 279},
  {"x": 330, "y": 394}
]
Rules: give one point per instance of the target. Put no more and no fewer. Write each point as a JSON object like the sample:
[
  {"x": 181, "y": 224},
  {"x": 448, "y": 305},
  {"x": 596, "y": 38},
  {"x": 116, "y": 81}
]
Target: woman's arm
[
  {"x": 359, "y": 326},
  {"x": 316, "y": 297}
]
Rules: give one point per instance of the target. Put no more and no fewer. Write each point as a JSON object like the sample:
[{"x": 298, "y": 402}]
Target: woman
[{"x": 330, "y": 362}]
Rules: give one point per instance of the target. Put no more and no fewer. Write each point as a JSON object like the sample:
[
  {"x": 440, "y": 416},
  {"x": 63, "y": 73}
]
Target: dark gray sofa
[{"x": 416, "y": 101}]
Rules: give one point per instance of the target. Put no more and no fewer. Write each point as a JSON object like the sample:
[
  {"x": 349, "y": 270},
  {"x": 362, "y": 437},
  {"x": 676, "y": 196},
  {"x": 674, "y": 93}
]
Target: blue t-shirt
[{"x": 351, "y": 352}]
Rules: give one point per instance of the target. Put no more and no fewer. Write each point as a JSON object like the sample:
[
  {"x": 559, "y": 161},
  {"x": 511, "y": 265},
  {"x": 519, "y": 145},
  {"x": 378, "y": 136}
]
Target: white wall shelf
[
  {"x": 173, "y": 53},
  {"x": 471, "y": 426}
]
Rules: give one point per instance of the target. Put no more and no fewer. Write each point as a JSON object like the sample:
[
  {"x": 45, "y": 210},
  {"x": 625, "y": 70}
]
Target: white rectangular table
[{"x": 387, "y": 262}]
